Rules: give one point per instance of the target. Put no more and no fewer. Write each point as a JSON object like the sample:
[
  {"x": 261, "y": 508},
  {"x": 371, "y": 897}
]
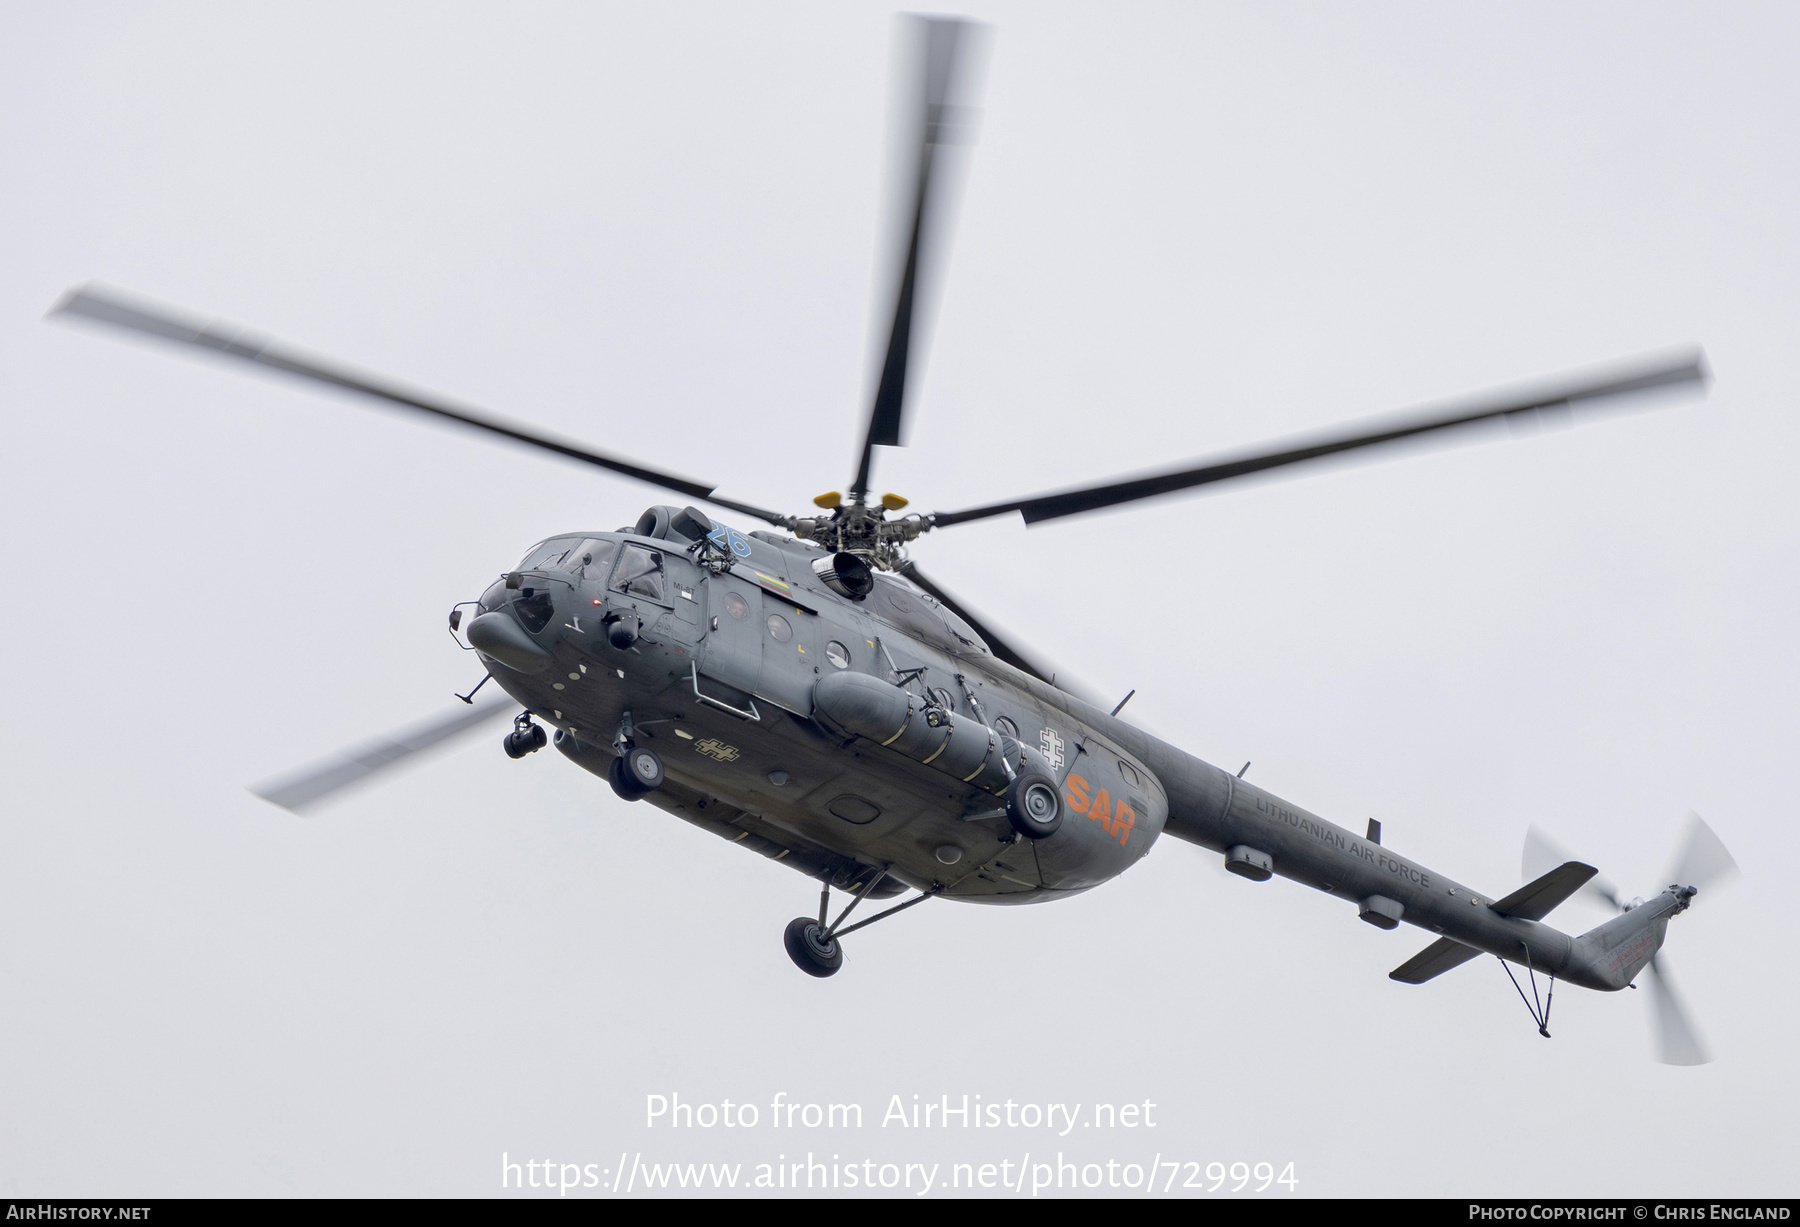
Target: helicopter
[{"x": 807, "y": 691}]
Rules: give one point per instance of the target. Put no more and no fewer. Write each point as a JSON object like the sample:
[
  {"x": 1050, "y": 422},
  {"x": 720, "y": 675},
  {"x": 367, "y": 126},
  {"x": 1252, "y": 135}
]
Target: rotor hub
[{"x": 864, "y": 531}]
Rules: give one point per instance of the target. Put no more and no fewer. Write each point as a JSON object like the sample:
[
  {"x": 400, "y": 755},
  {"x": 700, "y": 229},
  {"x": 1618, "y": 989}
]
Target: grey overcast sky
[{"x": 1185, "y": 227}]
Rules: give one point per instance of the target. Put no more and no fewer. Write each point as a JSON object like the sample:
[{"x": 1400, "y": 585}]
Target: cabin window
[
  {"x": 779, "y": 630},
  {"x": 640, "y": 573},
  {"x": 944, "y": 698},
  {"x": 1007, "y": 727},
  {"x": 837, "y": 654},
  {"x": 736, "y": 606}
]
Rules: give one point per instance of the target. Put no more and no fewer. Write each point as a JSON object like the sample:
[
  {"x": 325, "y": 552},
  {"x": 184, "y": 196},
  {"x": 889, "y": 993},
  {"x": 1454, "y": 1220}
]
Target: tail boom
[
  {"x": 1256, "y": 829},
  {"x": 1613, "y": 954}
]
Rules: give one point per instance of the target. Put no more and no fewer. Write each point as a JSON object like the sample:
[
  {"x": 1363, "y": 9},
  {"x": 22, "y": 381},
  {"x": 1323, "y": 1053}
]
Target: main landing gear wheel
[
  {"x": 621, "y": 783},
  {"x": 1033, "y": 806},
  {"x": 812, "y": 952},
  {"x": 635, "y": 772},
  {"x": 644, "y": 768}
]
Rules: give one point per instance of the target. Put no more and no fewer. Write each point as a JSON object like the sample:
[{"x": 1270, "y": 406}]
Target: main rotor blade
[
  {"x": 1001, "y": 645},
  {"x": 219, "y": 338},
  {"x": 1704, "y": 859},
  {"x": 945, "y": 44},
  {"x": 996, "y": 642},
  {"x": 1110, "y": 494},
  {"x": 1542, "y": 854},
  {"x": 318, "y": 782},
  {"x": 1677, "y": 1043}
]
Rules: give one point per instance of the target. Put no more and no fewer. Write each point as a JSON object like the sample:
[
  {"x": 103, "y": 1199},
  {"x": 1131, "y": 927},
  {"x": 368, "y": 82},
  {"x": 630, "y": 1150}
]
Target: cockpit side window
[
  {"x": 591, "y": 558},
  {"x": 640, "y": 573}
]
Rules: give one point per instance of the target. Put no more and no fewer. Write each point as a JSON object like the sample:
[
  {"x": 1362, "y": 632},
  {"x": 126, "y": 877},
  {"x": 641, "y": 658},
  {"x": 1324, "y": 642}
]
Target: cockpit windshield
[
  {"x": 549, "y": 554},
  {"x": 588, "y": 557}
]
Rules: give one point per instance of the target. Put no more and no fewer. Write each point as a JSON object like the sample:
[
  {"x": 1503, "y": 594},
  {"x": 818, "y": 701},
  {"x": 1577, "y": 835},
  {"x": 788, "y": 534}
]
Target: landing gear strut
[{"x": 813, "y": 945}]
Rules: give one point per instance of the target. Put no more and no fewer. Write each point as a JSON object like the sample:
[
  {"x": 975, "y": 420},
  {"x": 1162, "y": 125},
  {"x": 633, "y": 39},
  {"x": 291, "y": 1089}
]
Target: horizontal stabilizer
[
  {"x": 1534, "y": 900},
  {"x": 1434, "y": 960}
]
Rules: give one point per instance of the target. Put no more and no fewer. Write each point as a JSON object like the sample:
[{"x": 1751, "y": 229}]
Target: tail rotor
[
  {"x": 1703, "y": 859},
  {"x": 1702, "y": 862},
  {"x": 1677, "y": 1043},
  {"x": 1542, "y": 854}
]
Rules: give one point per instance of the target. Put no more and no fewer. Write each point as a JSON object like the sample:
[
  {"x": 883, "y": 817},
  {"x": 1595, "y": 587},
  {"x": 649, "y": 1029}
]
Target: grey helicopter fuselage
[
  {"x": 759, "y": 687},
  {"x": 794, "y": 719}
]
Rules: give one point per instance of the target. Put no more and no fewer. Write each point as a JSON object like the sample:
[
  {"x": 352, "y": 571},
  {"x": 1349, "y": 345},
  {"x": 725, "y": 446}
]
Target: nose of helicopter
[
  {"x": 513, "y": 623},
  {"x": 560, "y": 598},
  {"x": 499, "y": 635},
  {"x": 522, "y": 618}
]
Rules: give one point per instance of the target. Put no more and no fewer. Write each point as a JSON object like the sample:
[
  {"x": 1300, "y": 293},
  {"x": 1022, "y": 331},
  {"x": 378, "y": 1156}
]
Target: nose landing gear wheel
[
  {"x": 811, "y": 951},
  {"x": 525, "y": 738}
]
